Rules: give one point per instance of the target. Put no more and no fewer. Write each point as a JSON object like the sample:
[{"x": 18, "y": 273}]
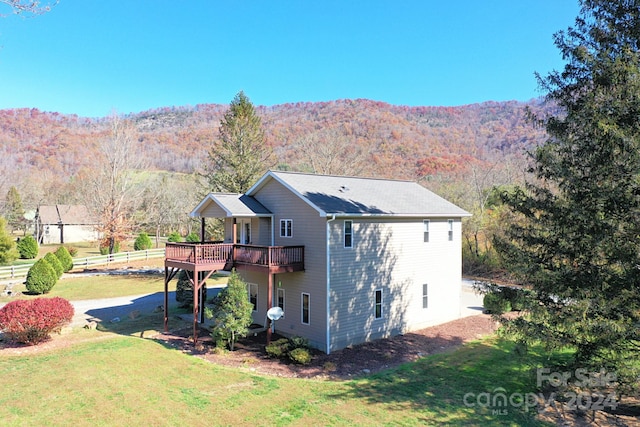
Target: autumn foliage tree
[
  {"x": 110, "y": 188},
  {"x": 579, "y": 244}
]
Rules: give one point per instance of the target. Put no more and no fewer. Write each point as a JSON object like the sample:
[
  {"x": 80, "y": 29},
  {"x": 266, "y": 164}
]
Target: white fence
[{"x": 16, "y": 271}]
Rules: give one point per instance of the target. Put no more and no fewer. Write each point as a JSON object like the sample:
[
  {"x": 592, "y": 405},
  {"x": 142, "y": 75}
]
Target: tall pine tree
[
  {"x": 579, "y": 247},
  {"x": 14, "y": 210},
  {"x": 240, "y": 156}
]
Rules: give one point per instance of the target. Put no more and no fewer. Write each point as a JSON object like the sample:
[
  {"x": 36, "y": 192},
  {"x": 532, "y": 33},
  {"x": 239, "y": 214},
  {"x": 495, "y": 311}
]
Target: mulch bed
[{"x": 361, "y": 359}]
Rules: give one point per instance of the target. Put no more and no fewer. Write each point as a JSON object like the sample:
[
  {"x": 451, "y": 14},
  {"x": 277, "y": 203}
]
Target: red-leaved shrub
[{"x": 32, "y": 321}]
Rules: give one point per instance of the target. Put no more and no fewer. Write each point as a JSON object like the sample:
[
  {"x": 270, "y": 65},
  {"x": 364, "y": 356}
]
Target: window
[
  {"x": 305, "y": 309},
  {"x": 450, "y": 229},
  {"x": 425, "y": 296},
  {"x": 280, "y": 298},
  {"x": 425, "y": 229},
  {"x": 286, "y": 228},
  {"x": 348, "y": 234},
  {"x": 378, "y": 304},
  {"x": 252, "y": 290}
]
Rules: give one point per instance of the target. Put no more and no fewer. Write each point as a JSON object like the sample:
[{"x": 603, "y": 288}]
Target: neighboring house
[
  {"x": 57, "y": 224},
  {"x": 347, "y": 259}
]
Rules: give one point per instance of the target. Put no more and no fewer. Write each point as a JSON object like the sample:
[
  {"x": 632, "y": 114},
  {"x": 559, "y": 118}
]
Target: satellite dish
[{"x": 275, "y": 313}]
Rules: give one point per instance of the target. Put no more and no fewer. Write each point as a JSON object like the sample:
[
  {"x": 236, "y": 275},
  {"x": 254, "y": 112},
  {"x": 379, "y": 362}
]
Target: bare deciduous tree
[
  {"x": 28, "y": 7},
  {"x": 110, "y": 188}
]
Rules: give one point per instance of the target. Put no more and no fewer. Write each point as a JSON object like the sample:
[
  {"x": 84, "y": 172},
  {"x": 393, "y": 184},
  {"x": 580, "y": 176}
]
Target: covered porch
[{"x": 248, "y": 245}]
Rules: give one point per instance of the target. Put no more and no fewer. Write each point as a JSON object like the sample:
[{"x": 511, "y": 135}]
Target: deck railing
[{"x": 222, "y": 253}]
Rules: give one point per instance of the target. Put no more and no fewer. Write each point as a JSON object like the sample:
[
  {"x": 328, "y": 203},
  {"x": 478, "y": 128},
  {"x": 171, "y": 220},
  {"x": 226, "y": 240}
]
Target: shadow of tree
[{"x": 445, "y": 387}]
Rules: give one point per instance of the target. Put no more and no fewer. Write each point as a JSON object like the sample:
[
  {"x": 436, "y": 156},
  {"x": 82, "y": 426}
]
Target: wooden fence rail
[{"x": 17, "y": 271}]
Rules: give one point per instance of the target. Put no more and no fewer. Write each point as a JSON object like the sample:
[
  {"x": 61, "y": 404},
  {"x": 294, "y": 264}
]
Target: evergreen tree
[
  {"x": 14, "y": 210},
  {"x": 28, "y": 247},
  {"x": 8, "y": 251},
  {"x": 240, "y": 156},
  {"x": 231, "y": 312},
  {"x": 579, "y": 244}
]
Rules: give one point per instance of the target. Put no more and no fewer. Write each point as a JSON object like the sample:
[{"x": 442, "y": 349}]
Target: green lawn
[
  {"x": 103, "y": 286},
  {"x": 134, "y": 381},
  {"x": 124, "y": 379}
]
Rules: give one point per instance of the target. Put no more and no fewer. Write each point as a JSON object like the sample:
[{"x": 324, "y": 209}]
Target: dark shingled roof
[{"x": 363, "y": 196}]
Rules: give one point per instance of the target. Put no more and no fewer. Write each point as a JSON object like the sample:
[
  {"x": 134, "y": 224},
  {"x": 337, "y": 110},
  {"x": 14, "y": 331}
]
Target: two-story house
[{"x": 347, "y": 259}]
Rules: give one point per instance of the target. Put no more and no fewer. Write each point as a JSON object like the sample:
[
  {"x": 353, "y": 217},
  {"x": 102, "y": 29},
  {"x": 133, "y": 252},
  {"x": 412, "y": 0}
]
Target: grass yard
[
  {"x": 134, "y": 381},
  {"x": 107, "y": 286}
]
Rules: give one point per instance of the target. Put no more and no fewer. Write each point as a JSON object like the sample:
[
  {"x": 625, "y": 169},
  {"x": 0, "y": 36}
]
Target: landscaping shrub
[
  {"x": 294, "y": 348},
  {"x": 184, "y": 290},
  {"x": 300, "y": 355},
  {"x": 278, "y": 349},
  {"x": 32, "y": 321},
  {"x": 518, "y": 297},
  {"x": 65, "y": 258},
  {"x": 142, "y": 242},
  {"x": 55, "y": 263},
  {"x": 174, "y": 236},
  {"x": 28, "y": 247},
  {"x": 192, "y": 238},
  {"x": 41, "y": 277},
  {"x": 495, "y": 303},
  {"x": 104, "y": 247}
]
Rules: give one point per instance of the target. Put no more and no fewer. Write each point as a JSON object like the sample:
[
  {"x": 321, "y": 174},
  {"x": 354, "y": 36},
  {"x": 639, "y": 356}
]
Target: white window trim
[
  {"x": 249, "y": 285},
  {"x": 426, "y": 223},
  {"x": 344, "y": 233},
  {"x": 302, "y": 308},
  {"x": 375, "y": 304},
  {"x": 285, "y": 221},
  {"x": 278, "y": 291},
  {"x": 425, "y": 296}
]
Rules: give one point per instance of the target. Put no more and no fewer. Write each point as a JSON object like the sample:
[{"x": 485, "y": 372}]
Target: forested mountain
[{"x": 41, "y": 152}]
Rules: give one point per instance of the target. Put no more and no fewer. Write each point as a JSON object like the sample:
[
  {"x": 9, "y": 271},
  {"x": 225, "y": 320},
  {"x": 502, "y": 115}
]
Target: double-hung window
[
  {"x": 348, "y": 234},
  {"x": 286, "y": 228},
  {"x": 425, "y": 230},
  {"x": 425, "y": 295},
  {"x": 252, "y": 290},
  {"x": 450, "y": 229},
  {"x": 305, "y": 309},
  {"x": 378, "y": 304},
  {"x": 280, "y": 298}
]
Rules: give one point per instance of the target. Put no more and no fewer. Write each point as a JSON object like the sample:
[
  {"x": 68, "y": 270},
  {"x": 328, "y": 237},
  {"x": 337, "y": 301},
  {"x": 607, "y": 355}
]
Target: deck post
[
  {"x": 269, "y": 305},
  {"x": 196, "y": 292},
  {"x": 166, "y": 299}
]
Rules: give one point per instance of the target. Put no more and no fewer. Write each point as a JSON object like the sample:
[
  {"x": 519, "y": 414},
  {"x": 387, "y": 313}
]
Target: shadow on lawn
[
  {"x": 132, "y": 315},
  {"x": 445, "y": 387}
]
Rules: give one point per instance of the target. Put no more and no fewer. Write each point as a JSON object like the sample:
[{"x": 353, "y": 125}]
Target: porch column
[
  {"x": 202, "y": 226},
  {"x": 269, "y": 305},
  {"x": 234, "y": 230}
]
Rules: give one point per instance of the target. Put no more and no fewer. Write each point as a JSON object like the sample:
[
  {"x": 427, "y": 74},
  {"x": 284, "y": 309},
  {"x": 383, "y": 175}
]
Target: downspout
[{"x": 328, "y": 316}]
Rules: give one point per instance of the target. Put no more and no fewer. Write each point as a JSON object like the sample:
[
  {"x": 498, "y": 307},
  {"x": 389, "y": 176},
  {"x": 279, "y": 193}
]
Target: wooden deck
[{"x": 224, "y": 256}]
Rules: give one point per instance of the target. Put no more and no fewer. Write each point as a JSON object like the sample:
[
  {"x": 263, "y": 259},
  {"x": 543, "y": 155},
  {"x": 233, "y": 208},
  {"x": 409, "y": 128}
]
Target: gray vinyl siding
[
  {"x": 309, "y": 230},
  {"x": 390, "y": 255}
]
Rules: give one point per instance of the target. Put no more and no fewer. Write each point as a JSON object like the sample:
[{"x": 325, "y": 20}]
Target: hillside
[{"x": 358, "y": 136}]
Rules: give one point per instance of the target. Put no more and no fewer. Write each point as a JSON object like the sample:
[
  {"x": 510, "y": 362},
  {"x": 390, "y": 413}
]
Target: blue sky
[{"x": 93, "y": 57}]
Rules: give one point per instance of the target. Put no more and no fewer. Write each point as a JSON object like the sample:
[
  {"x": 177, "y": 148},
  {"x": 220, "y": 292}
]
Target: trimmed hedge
[
  {"x": 142, "y": 242},
  {"x": 65, "y": 258},
  {"x": 32, "y": 321},
  {"x": 41, "y": 277},
  {"x": 496, "y": 303},
  {"x": 174, "y": 237},
  {"x": 28, "y": 247},
  {"x": 55, "y": 263},
  {"x": 294, "y": 348}
]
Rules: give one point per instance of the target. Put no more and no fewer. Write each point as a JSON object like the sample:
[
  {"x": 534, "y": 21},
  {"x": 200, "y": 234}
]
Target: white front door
[{"x": 243, "y": 231}]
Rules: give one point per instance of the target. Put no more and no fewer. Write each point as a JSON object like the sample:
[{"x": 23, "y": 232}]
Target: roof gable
[
  {"x": 230, "y": 205},
  {"x": 352, "y": 196},
  {"x": 66, "y": 214}
]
